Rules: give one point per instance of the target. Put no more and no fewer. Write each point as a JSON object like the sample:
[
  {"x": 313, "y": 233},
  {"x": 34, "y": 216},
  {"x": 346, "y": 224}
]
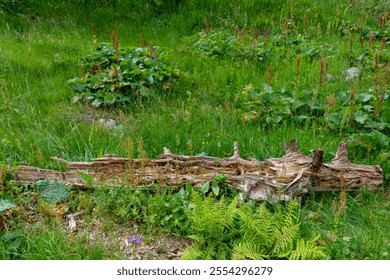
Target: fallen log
[{"x": 283, "y": 178}]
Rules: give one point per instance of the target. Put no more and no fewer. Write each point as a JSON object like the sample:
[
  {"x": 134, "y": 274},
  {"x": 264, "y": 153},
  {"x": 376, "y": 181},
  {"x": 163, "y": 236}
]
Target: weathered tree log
[{"x": 273, "y": 179}]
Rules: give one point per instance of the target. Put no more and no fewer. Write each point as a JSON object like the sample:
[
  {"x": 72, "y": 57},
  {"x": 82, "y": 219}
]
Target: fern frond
[
  {"x": 249, "y": 251},
  {"x": 196, "y": 199},
  {"x": 285, "y": 239},
  {"x": 307, "y": 250},
  {"x": 209, "y": 252},
  {"x": 256, "y": 226},
  {"x": 192, "y": 252},
  {"x": 198, "y": 238},
  {"x": 231, "y": 211},
  {"x": 291, "y": 214}
]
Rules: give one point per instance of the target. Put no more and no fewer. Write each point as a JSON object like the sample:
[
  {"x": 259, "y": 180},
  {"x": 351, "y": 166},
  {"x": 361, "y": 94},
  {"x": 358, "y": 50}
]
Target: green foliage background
[{"x": 257, "y": 72}]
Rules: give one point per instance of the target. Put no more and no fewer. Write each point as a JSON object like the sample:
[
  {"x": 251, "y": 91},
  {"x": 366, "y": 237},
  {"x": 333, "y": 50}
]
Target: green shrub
[{"x": 114, "y": 75}]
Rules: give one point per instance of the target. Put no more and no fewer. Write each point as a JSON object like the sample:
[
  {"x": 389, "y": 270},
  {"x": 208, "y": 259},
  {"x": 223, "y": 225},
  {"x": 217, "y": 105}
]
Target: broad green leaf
[
  {"x": 144, "y": 91},
  {"x": 6, "y": 204},
  {"x": 52, "y": 191},
  {"x": 346, "y": 251},
  {"x": 205, "y": 188},
  {"x": 151, "y": 79},
  {"x": 109, "y": 99},
  {"x": 96, "y": 103},
  {"x": 363, "y": 97},
  {"x": 12, "y": 235},
  {"x": 216, "y": 190},
  {"x": 333, "y": 120},
  {"x": 385, "y": 114},
  {"x": 75, "y": 99},
  {"x": 368, "y": 108},
  {"x": 361, "y": 117},
  {"x": 382, "y": 157},
  {"x": 78, "y": 86},
  {"x": 342, "y": 98}
]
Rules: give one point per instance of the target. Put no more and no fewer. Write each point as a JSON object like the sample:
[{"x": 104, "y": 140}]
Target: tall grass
[{"x": 42, "y": 41}]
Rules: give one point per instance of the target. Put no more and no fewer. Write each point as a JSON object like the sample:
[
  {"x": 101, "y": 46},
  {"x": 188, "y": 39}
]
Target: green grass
[
  {"x": 42, "y": 41},
  {"x": 48, "y": 242},
  {"x": 361, "y": 232}
]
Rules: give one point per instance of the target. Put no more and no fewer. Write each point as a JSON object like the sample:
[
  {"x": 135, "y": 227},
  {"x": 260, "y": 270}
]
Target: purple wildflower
[{"x": 137, "y": 239}]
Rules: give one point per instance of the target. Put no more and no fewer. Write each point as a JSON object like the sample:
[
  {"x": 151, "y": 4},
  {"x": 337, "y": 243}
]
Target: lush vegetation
[
  {"x": 119, "y": 76},
  {"x": 79, "y": 79}
]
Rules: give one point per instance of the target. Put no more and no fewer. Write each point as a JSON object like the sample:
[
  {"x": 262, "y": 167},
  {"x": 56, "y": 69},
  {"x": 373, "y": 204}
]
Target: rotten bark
[{"x": 273, "y": 179}]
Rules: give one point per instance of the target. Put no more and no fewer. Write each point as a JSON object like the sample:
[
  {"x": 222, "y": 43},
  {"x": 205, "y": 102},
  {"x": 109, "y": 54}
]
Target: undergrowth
[
  {"x": 116, "y": 76},
  {"x": 227, "y": 230}
]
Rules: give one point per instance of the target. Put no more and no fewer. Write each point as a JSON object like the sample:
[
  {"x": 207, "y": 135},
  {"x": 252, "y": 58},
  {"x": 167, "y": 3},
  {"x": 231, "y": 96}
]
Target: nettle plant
[{"x": 115, "y": 76}]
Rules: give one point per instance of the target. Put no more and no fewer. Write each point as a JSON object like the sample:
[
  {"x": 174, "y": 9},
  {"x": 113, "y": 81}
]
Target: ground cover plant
[
  {"x": 117, "y": 76},
  {"x": 257, "y": 72}
]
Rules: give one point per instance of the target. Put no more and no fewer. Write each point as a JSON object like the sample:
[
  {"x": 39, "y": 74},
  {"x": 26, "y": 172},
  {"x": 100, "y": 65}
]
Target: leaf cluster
[
  {"x": 341, "y": 112},
  {"x": 224, "y": 44},
  {"x": 154, "y": 210},
  {"x": 253, "y": 48},
  {"x": 51, "y": 191},
  {"x": 113, "y": 76},
  {"x": 225, "y": 229}
]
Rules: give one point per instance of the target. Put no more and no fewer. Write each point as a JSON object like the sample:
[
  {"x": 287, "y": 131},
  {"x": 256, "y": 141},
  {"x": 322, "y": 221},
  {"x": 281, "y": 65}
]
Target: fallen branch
[{"x": 273, "y": 179}]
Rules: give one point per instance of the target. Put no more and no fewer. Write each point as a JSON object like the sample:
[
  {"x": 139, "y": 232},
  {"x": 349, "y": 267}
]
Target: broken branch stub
[{"x": 273, "y": 179}]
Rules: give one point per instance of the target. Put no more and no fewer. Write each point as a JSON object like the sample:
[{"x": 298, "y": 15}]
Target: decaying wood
[{"x": 273, "y": 179}]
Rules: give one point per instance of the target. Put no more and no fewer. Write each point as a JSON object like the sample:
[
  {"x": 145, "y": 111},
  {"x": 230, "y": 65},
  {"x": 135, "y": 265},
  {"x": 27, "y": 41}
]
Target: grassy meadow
[{"x": 257, "y": 72}]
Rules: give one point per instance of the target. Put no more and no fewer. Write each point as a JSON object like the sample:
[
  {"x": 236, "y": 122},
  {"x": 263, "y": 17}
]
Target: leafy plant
[
  {"x": 6, "y": 204},
  {"x": 6, "y": 207},
  {"x": 11, "y": 244},
  {"x": 114, "y": 75},
  {"x": 365, "y": 115},
  {"x": 235, "y": 230},
  {"x": 51, "y": 191},
  {"x": 271, "y": 106},
  {"x": 221, "y": 43},
  {"x": 218, "y": 186},
  {"x": 358, "y": 111},
  {"x": 154, "y": 211}
]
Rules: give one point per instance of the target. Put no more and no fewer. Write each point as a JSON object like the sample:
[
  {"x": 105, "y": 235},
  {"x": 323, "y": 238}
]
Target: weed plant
[
  {"x": 114, "y": 75},
  {"x": 154, "y": 210}
]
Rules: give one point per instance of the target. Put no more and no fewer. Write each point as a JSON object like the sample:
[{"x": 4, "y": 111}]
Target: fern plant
[
  {"x": 212, "y": 224},
  {"x": 276, "y": 236},
  {"x": 235, "y": 230}
]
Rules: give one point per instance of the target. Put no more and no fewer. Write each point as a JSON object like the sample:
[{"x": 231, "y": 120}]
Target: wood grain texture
[{"x": 283, "y": 178}]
